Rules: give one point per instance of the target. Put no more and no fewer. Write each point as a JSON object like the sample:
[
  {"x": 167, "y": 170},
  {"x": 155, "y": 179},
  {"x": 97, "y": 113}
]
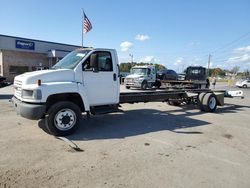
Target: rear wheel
[
  {"x": 209, "y": 102},
  {"x": 63, "y": 118},
  {"x": 200, "y": 99},
  {"x": 127, "y": 87}
]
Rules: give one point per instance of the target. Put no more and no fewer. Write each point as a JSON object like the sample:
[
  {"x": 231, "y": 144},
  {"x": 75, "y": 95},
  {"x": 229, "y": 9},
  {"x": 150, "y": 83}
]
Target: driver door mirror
[
  {"x": 94, "y": 62},
  {"x": 149, "y": 71}
]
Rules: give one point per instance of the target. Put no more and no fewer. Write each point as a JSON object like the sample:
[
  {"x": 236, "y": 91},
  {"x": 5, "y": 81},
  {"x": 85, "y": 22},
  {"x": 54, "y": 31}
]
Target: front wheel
[
  {"x": 144, "y": 85},
  {"x": 63, "y": 118},
  {"x": 244, "y": 86},
  {"x": 174, "y": 103}
]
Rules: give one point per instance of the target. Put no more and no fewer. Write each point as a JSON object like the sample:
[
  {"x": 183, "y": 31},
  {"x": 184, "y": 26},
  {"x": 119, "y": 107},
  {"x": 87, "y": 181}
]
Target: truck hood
[
  {"x": 59, "y": 75},
  {"x": 134, "y": 76}
]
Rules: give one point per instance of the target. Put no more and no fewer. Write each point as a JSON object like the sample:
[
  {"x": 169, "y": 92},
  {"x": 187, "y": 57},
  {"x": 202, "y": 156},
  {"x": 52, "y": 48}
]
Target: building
[{"x": 19, "y": 55}]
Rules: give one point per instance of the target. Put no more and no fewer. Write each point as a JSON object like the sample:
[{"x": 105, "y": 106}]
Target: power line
[{"x": 232, "y": 42}]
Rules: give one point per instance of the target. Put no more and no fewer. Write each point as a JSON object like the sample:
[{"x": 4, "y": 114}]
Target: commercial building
[{"x": 19, "y": 55}]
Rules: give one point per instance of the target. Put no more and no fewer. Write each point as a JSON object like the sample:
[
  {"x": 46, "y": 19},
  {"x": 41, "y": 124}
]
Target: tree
[
  {"x": 216, "y": 72},
  {"x": 235, "y": 69}
]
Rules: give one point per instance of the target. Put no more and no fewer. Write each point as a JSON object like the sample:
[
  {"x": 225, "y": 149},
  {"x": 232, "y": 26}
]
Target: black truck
[{"x": 195, "y": 77}]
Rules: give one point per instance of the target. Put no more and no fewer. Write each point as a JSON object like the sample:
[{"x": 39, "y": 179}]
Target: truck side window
[{"x": 105, "y": 61}]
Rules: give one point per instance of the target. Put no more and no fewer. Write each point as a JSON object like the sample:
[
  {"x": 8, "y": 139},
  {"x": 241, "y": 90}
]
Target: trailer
[{"x": 87, "y": 81}]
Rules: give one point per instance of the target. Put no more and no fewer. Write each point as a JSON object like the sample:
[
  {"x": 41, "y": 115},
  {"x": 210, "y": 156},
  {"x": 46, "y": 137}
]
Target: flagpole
[{"x": 82, "y": 25}]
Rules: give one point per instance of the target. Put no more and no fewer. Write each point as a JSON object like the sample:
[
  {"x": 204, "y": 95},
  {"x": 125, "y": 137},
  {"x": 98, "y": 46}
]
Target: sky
[{"x": 174, "y": 33}]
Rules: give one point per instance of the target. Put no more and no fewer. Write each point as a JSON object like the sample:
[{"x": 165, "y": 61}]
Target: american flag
[{"x": 87, "y": 26}]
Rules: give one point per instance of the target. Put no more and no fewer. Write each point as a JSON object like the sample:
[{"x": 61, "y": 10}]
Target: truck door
[
  {"x": 151, "y": 75},
  {"x": 101, "y": 83}
]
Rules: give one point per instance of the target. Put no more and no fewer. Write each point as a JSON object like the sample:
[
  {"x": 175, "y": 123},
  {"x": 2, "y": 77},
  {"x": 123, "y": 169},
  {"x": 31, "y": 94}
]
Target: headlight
[
  {"x": 32, "y": 94},
  {"x": 27, "y": 93},
  {"x": 139, "y": 79}
]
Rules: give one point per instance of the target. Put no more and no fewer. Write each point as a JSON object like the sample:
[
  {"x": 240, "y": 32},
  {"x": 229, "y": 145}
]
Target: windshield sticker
[{"x": 80, "y": 55}]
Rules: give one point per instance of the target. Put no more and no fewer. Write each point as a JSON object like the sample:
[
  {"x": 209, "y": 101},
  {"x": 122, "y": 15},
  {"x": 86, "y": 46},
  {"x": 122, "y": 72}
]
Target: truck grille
[{"x": 18, "y": 89}]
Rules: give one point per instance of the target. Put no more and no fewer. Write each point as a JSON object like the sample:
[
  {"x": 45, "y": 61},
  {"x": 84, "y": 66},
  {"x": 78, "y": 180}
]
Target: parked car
[
  {"x": 2, "y": 81},
  {"x": 167, "y": 74},
  {"x": 243, "y": 83}
]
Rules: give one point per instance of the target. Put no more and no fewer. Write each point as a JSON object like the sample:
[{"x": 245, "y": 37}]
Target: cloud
[
  {"x": 148, "y": 59},
  {"x": 197, "y": 59},
  {"x": 245, "y": 49},
  {"x": 142, "y": 37},
  {"x": 125, "y": 46},
  {"x": 178, "y": 61},
  {"x": 239, "y": 59},
  {"x": 191, "y": 44},
  {"x": 242, "y": 55}
]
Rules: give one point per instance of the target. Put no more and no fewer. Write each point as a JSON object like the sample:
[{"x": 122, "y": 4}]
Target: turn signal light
[{"x": 38, "y": 82}]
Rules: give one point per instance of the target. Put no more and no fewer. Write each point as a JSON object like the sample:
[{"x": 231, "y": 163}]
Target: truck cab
[
  {"x": 141, "y": 77},
  {"x": 84, "y": 79},
  {"x": 196, "y": 73}
]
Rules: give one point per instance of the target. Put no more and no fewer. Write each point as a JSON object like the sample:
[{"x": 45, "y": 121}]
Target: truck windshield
[
  {"x": 71, "y": 60},
  {"x": 140, "y": 71}
]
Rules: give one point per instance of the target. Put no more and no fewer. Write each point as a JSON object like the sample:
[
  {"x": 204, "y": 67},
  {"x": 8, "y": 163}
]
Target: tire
[
  {"x": 127, "y": 87},
  {"x": 157, "y": 84},
  {"x": 63, "y": 118},
  {"x": 200, "y": 99},
  {"x": 174, "y": 103},
  {"x": 244, "y": 86},
  {"x": 144, "y": 85},
  {"x": 209, "y": 102}
]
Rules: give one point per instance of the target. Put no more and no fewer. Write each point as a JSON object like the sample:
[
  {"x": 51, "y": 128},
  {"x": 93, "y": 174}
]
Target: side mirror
[
  {"x": 148, "y": 72},
  {"x": 94, "y": 62}
]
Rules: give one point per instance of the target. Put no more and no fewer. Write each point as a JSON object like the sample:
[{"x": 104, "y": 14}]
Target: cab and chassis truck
[{"x": 87, "y": 81}]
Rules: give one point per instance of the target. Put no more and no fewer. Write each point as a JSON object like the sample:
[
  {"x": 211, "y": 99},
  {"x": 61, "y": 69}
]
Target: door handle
[{"x": 114, "y": 77}]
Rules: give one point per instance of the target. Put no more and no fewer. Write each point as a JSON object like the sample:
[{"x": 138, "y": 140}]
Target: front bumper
[
  {"x": 29, "y": 111},
  {"x": 238, "y": 85},
  {"x": 133, "y": 84}
]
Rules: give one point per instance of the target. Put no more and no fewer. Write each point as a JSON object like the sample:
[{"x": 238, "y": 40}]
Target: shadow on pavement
[
  {"x": 3, "y": 96},
  {"x": 142, "y": 121},
  {"x": 134, "y": 122}
]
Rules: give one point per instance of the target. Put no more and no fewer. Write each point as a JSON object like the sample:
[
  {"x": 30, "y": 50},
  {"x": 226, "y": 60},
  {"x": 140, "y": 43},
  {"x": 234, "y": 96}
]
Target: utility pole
[
  {"x": 131, "y": 55},
  {"x": 208, "y": 64}
]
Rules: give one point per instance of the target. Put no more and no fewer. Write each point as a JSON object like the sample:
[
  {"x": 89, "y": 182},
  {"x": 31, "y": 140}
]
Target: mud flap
[{"x": 219, "y": 98}]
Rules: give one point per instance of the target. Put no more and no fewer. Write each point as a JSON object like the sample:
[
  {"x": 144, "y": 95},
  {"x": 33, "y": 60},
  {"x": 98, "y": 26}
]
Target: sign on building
[{"x": 26, "y": 45}]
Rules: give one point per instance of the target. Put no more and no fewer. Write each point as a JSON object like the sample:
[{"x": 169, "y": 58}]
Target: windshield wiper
[{"x": 56, "y": 67}]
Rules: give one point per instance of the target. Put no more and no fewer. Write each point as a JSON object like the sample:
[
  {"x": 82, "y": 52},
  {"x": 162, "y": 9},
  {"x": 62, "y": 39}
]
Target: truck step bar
[{"x": 106, "y": 109}]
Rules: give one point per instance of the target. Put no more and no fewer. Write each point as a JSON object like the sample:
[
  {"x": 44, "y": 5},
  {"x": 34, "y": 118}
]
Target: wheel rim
[
  {"x": 212, "y": 103},
  {"x": 65, "y": 119}
]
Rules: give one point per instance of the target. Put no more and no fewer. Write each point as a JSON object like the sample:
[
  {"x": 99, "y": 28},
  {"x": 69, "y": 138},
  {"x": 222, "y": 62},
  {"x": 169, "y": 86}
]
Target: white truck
[
  {"x": 86, "y": 80},
  {"x": 141, "y": 77}
]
